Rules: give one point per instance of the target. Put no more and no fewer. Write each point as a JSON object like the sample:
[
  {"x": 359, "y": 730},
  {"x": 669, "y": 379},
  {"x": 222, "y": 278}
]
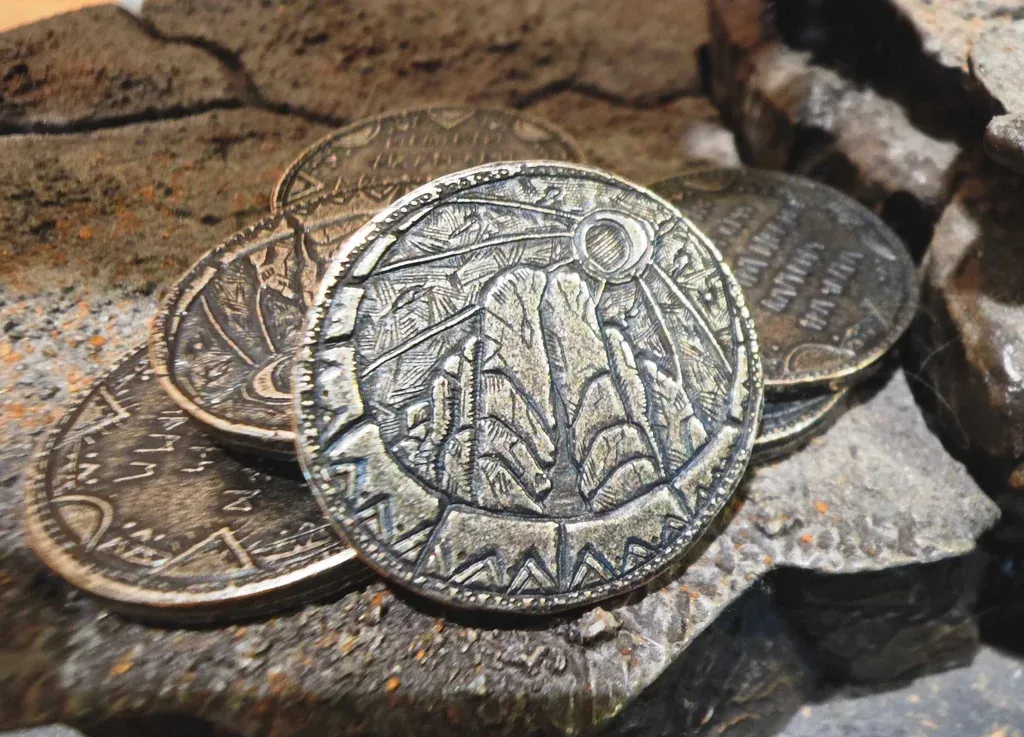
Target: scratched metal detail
[
  {"x": 223, "y": 342},
  {"x": 132, "y": 502},
  {"x": 830, "y": 286},
  {"x": 534, "y": 388},
  {"x": 417, "y": 145}
]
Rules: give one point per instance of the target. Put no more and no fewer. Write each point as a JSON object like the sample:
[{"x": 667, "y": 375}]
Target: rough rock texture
[
  {"x": 356, "y": 58},
  {"x": 97, "y": 66},
  {"x": 969, "y": 340},
  {"x": 792, "y": 113},
  {"x": 997, "y": 59},
  {"x": 135, "y": 205}
]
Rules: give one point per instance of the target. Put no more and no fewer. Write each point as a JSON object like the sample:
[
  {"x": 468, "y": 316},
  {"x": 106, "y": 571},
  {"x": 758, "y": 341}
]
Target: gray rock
[
  {"x": 969, "y": 340},
  {"x": 98, "y": 66},
  {"x": 997, "y": 61}
]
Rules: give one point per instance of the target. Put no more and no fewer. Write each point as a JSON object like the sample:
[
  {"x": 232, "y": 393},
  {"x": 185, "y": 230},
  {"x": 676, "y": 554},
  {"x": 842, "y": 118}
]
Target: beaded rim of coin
[
  {"x": 274, "y": 435},
  {"x": 280, "y": 197},
  {"x": 217, "y": 602},
  {"x": 788, "y": 423},
  {"x": 860, "y": 363},
  {"x": 715, "y": 467}
]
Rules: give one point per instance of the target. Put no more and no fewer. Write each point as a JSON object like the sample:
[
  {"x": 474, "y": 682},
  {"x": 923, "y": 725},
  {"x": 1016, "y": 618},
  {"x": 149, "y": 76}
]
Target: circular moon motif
[{"x": 531, "y": 387}]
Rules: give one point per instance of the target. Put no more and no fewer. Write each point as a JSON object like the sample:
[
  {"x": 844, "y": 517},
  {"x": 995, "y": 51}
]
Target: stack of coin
[
  {"x": 830, "y": 286},
  {"x": 517, "y": 386}
]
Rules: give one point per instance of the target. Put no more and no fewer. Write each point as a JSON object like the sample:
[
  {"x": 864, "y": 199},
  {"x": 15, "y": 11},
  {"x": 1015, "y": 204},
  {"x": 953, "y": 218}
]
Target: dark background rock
[{"x": 99, "y": 66}]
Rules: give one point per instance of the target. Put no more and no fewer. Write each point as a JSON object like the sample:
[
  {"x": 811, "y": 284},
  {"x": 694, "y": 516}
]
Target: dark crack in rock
[
  {"x": 96, "y": 67},
  {"x": 969, "y": 339},
  {"x": 348, "y": 60},
  {"x": 136, "y": 205}
]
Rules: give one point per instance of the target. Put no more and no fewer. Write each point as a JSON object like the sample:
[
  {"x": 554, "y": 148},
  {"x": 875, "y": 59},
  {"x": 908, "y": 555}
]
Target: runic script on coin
[
  {"x": 224, "y": 341},
  {"x": 534, "y": 388},
  {"x": 788, "y": 423},
  {"x": 133, "y": 503},
  {"x": 830, "y": 286},
  {"x": 417, "y": 145}
]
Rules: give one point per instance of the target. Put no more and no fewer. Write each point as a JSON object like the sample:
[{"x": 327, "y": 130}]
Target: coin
[
  {"x": 830, "y": 286},
  {"x": 789, "y": 423},
  {"x": 131, "y": 502},
  {"x": 420, "y": 144},
  {"x": 534, "y": 389},
  {"x": 223, "y": 342}
]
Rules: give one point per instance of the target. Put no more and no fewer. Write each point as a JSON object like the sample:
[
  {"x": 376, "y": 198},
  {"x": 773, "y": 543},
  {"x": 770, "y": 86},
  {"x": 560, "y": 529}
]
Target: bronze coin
[
  {"x": 418, "y": 145},
  {"x": 131, "y": 502},
  {"x": 533, "y": 389},
  {"x": 830, "y": 286},
  {"x": 789, "y": 423},
  {"x": 223, "y": 342}
]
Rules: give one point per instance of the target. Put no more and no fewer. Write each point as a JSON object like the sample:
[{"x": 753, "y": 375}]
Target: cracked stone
[
  {"x": 792, "y": 113},
  {"x": 969, "y": 340},
  {"x": 348, "y": 60},
  {"x": 97, "y": 65},
  {"x": 154, "y": 195}
]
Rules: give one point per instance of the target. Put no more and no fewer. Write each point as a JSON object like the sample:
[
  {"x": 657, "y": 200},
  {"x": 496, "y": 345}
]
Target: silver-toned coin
[
  {"x": 223, "y": 342},
  {"x": 787, "y": 424},
  {"x": 830, "y": 286},
  {"x": 534, "y": 387},
  {"x": 131, "y": 502},
  {"x": 417, "y": 145}
]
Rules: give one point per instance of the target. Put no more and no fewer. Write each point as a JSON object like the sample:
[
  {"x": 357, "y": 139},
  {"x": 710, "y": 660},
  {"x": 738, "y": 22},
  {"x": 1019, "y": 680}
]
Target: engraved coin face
[
  {"x": 789, "y": 423},
  {"x": 132, "y": 502},
  {"x": 223, "y": 343},
  {"x": 830, "y": 286},
  {"x": 534, "y": 388},
  {"x": 418, "y": 145}
]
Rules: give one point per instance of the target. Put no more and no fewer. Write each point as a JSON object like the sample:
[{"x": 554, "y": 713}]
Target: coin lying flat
[
  {"x": 533, "y": 389},
  {"x": 223, "y": 343},
  {"x": 830, "y": 286},
  {"x": 420, "y": 144},
  {"x": 131, "y": 502},
  {"x": 789, "y": 423}
]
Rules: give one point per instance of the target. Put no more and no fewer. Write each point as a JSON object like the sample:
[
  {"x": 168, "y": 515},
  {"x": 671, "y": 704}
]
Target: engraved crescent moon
[{"x": 263, "y": 382}]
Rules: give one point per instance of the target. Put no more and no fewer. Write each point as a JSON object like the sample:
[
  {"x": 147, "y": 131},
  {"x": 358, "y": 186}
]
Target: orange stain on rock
[{"x": 391, "y": 685}]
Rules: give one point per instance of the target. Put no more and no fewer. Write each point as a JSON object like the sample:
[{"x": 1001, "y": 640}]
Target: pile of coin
[{"x": 512, "y": 382}]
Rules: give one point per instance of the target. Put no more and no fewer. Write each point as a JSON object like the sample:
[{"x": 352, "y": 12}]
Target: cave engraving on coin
[
  {"x": 417, "y": 145},
  {"x": 789, "y": 423},
  {"x": 132, "y": 502},
  {"x": 535, "y": 388},
  {"x": 830, "y": 286},
  {"x": 224, "y": 341}
]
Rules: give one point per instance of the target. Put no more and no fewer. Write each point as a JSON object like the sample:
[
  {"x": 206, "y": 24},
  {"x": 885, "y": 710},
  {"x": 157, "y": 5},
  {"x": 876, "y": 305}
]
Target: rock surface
[
  {"x": 969, "y": 340},
  {"x": 997, "y": 59},
  {"x": 137, "y": 204},
  {"x": 99, "y": 66},
  {"x": 352, "y": 59}
]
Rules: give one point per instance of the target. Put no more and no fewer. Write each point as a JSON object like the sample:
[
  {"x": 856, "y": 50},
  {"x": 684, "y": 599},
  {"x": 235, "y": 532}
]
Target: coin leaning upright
[
  {"x": 131, "y": 502},
  {"x": 419, "y": 144},
  {"x": 534, "y": 388},
  {"x": 830, "y": 286},
  {"x": 223, "y": 342}
]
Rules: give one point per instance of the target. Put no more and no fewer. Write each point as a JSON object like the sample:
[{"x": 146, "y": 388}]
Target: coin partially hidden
[
  {"x": 533, "y": 389},
  {"x": 417, "y": 145},
  {"x": 223, "y": 342},
  {"x": 830, "y": 286},
  {"x": 789, "y": 423},
  {"x": 131, "y": 502}
]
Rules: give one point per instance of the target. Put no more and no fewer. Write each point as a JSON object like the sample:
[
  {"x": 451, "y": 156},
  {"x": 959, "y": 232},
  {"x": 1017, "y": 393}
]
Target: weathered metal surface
[
  {"x": 831, "y": 287},
  {"x": 526, "y": 387},
  {"x": 223, "y": 343},
  {"x": 417, "y": 145},
  {"x": 132, "y": 502}
]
